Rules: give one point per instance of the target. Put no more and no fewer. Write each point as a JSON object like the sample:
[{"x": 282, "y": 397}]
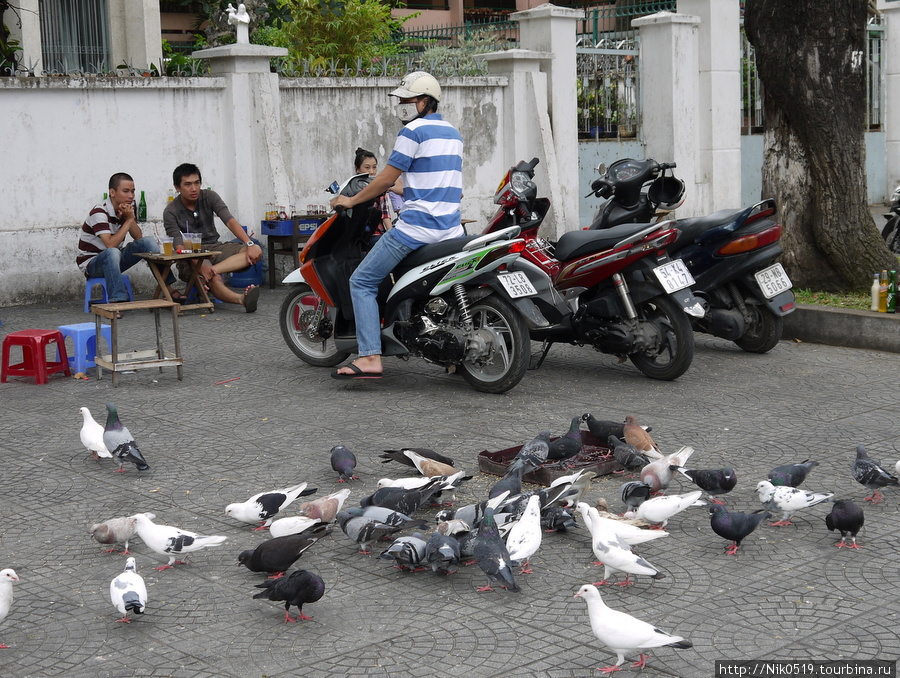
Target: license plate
[
  {"x": 517, "y": 284},
  {"x": 773, "y": 281},
  {"x": 674, "y": 276}
]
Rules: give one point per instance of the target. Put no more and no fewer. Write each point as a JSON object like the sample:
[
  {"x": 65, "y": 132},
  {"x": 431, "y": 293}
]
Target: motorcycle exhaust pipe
[{"x": 622, "y": 289}]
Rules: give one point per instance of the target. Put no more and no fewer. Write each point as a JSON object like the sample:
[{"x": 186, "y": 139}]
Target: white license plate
[
  {"x": 517, "y": 284},
  {"x": 674, "y": 276},
  {"x": 773, "y": 281}
]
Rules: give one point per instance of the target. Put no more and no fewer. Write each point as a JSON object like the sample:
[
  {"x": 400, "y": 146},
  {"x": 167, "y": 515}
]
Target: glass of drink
[
  {"x": 166, "y": 244},
  {"x": 198, "y": 244}
]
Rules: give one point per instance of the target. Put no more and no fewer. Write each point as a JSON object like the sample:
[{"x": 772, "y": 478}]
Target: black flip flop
[
  {"x": 358, "y": 374},
  {"x": 251, "y": 297}
]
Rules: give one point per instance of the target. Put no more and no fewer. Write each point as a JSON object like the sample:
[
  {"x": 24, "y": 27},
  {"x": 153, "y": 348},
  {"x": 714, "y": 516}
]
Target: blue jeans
[
  {"x": 112, "y": 262},
  {"x": 375, "y": 267}
]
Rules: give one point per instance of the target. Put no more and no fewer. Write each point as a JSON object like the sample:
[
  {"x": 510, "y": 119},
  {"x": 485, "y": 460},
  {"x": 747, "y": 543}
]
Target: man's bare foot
[{"x": 360, "y": 368}]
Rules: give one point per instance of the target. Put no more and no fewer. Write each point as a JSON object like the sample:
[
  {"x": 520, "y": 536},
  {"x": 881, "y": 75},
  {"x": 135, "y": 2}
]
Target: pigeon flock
[{"x": 501, "y": 535}]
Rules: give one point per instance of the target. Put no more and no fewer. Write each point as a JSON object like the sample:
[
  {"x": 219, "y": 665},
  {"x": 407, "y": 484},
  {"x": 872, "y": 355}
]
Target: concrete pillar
[
  {"x": 891, "y": 12},
  {"x": 670, "y": 84},
  {"x": 25, "y": 26},
  {"x": 251, "y": 147},
  {"x": 719, "y": 113},
  {"x": 551, "y": 29},
  {"x": 135, "y": 33}
]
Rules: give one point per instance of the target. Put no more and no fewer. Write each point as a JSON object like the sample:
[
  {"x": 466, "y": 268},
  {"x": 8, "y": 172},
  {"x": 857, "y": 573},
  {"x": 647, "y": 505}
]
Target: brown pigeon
[
  {"x": 115, "y": 531},
  {"x": 635, "y": 435},
  {"x": 325, "y": 508}
]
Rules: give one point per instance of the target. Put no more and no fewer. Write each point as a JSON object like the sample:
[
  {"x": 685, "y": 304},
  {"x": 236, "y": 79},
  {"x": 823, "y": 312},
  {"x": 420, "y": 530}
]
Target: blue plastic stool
[
  {"x": 252, "y": 276},
  {"x": 84, "y": 340},
  {"x": 89, "y": 287}
]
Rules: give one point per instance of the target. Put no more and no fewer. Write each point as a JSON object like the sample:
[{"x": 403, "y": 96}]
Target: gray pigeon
[
  {"x": 603, "y": 428},
  {"x": 120, "y": 443},
  {"x": 566, "y": 446},
  {"x": 733, "y": 525},
  {"x": 299, "y": 588},
  {"x": 401, "y": 499},
  {"x": 848, "y": 519},
  {"x": 407, "y": 552},
  {"x": 344, "y": 462},
  {"x": 511, "y": 483},
  {"x": 115, "y": 531},
  {"x": 627, "y": 456},
  {"x": 791, "y": 474},
  {"x": 713, "y": 481},
  {"x": 634, "y": 493},
  {"x": 534, "y": 453},
  {"x": 386, "y": 516},
  {"x": 490, "y": 551},
  {"x": 365, "y": 531},
  {"x": 868, "y": 472},
  {"x": 442, "y": 553}
]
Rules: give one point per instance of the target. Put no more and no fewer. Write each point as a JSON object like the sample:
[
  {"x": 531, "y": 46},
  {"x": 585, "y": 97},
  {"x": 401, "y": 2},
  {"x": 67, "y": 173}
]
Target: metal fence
[
  {"x": 506, "y": 32},
  {"x": 610, "y": 23}
]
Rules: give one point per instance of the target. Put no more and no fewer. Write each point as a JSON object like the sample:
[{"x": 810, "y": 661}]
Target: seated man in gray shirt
[{"x": 192, "y": 211}]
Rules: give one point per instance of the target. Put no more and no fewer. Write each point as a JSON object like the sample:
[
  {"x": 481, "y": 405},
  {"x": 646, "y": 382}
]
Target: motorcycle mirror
[{"x": 601, "y": 168}]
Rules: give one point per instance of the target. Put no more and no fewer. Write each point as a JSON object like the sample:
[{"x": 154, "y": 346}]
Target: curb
[{"x": 844, "y": 327}]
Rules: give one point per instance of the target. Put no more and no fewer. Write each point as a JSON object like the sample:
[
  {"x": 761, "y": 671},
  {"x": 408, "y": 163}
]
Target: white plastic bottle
[{"x": 876, "y": 291}]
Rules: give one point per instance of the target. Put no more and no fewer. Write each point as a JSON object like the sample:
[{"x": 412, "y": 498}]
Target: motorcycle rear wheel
[
  {"x": 297, "y": 310},
  {"x": 764, "y": 333},
  {"x": 503, "y": 327},
  {"x": 676, "y": 350},
  {"x": 891, "y": 234}
]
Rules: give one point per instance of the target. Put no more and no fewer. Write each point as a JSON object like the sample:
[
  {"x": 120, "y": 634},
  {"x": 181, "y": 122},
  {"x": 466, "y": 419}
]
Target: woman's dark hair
[{"x": 361, "y": 154}]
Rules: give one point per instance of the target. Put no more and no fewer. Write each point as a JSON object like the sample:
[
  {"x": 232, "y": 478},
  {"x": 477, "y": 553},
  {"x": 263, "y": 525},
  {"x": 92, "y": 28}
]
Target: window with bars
[{"x": 75, "y": 36}]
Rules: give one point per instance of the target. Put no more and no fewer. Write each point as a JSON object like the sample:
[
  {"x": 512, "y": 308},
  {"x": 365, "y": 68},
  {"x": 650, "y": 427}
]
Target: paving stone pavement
[{"x": 788, "y": 594}]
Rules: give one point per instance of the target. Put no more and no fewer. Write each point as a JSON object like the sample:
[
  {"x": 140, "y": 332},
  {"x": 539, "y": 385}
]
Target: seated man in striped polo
[{"x": 428, "y": 157}]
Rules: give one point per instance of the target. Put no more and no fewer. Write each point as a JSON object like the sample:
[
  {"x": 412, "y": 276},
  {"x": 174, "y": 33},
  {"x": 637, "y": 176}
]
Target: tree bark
[{"x": 810, "y": 58}]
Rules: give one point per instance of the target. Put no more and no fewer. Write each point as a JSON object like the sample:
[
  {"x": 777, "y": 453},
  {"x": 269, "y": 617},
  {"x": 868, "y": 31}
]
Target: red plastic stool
[{"x": 34, "y": 363}]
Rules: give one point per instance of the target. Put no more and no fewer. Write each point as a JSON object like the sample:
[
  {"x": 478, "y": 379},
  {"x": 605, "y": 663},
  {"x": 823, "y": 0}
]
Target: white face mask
[{"x": 407, "y": 112}]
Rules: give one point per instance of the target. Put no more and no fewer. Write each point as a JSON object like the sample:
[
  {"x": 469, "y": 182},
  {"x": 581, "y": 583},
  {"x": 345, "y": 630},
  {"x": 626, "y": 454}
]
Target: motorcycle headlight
[{"x": 520, "y": 182}]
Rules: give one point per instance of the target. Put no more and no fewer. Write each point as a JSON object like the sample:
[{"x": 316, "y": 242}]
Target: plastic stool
[
  {"x": 34, "y": 363},
  {"x": 84, "y": 340},
  {"x": 89, "y": 287}
]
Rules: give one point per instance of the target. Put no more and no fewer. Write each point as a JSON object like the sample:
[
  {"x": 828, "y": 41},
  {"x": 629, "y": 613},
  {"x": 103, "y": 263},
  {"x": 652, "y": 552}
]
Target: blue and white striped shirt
[{"x": 429, "y": 152}]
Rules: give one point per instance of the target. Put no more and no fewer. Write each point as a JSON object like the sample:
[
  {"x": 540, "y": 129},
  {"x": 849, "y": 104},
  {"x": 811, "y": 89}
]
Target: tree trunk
[{"x": 810, "y": 57}]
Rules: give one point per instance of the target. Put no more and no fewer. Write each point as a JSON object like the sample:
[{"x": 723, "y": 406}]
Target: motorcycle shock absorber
[
  {"x": 622, "y": 289},
  {"x": 463, "y": 301}
]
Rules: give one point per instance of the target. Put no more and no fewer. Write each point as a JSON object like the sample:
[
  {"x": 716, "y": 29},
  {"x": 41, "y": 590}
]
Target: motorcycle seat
[
  {"x": 431, "y": 252},
  {"x": 693, "y": 227},
  {"x": 574, "y": 244}
]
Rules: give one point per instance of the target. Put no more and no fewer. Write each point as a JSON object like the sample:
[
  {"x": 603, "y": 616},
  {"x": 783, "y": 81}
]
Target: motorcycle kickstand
[{"x": 545, "y": 349}]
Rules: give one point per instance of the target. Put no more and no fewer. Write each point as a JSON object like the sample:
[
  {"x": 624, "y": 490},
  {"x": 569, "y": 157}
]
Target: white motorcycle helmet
[
  {"x": 667, "y": 193},
  {"x": 413, "y": 86}
]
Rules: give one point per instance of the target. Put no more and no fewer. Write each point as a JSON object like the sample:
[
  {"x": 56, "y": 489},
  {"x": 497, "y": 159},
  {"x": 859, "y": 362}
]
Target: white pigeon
[
  {"x": 579, "y": 481},
  {"x": 787, "y": 499},
  {"x": 92, "y": 436},
  {"x": 622, "y": 633},
  {"x": 658, "y": 510},
  {"x": 128, "y": 592},
  {"x": 615, "y": 555},
  {"x": 8, "y": 577},
  {"x": 171, "y": 541},
  {"x": 524, "y": 536},
  {"x": 263, "y": 507},
  {"x": 291, "y": 525},
  {"x": 630, "y": 534},
  {"x": 897, "y": 467}
]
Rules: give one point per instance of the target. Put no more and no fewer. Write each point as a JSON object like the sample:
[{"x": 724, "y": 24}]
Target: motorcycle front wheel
[
  {"x": 675, "y": 350},
  {"x": 312, "y": 344},
  {"x": 764, "y": 333},
  {"x": 891, "y": 234},
  {"x": 501, "y": 329}
]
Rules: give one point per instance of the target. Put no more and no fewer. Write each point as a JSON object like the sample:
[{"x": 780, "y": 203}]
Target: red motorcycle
[{"x": 624, "y": 294}]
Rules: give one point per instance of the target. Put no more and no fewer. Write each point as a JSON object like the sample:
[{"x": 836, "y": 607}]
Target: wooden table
[
  {"x": 136, "y": 360},
  {"x": 160, "y": 264},
  {"x": 289, "y": 244}
]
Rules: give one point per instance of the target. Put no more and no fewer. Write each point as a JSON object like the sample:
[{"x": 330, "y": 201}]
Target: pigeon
[
  {"x": 490, "y": 551},
  {"x": 897, "y": 467},
  {"x": 627, "y": 456},
  {"x": 658, "y": 510},
  {"x": 344, "y": 462},
  {"x": 603, "y": 511},
  {"x": 399, "y": 456},
  {"x": 276, "y": 555},
  {"x": 615, "y": 554},
  {"x": 171, "y": 541},
  {"x": 658, "y": 474},
  {"x": 365, "y": 530},
  {"x": 386, "y": 516},
  {"x": 92, "y": 436},
  {"x": 788, "y": 500},
  {"x": 429, "y": 467},
  {"x": 791, "y": 474},
  {"x": 115, "y": 531},
  {"x": 524, "y": 537},
  {"x": 869, "y": 473},
  {"x": 630, "y": 534},
  {"x": 407, "y": 552},
  {"x": 533, "y": 453},
  {"x": 623, "y": 633},
  {"x": 634, "y": 493},
  {"x": 566, "y": 446},
  {"x": 602, "y": 428},
  {"x": 511, "y": 483},
  {"x": 442, "y": 553},
  {"x": 299, "y": 588},
  {"x": 579, "y": 481},
  {"x": 291, "y": 525},
  {"x": 733, "y": 525},
  {"x": 120, "y": 443},
  {"x": 637, "y": 435},
  {"x": 712, "y": 481},
  {"x": 558, "y": 519},
  {"x": 848, "y": 519},
  {"x": 263, "y": 507},
  {"x": 404, "y": 501},
  {"x": 451, "y": 483},
  {"x": 128, "y": 592},
  {"x": 8, "y": 577},
  {"x": 324, "y": 508}
]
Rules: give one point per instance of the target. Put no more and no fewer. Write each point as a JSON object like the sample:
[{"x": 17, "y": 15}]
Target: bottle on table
[
  {"x": 892, "y": 292},
  {"x": 882, "y": 292},
  {"x": 875, "y": 291},
  {"x": 142, "y": 208}
]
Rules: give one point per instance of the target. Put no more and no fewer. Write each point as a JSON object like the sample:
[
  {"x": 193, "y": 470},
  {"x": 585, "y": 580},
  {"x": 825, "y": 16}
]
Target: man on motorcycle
[{"x": 428, "y": 157}]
